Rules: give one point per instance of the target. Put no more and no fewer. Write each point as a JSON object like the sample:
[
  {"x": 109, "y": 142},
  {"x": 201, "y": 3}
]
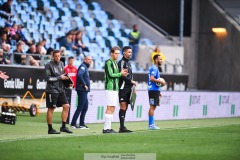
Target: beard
[{"x": 159, "y": 64}]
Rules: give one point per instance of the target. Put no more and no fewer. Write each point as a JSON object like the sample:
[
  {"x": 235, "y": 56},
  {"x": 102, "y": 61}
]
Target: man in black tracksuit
[
  {"x": 125, "y": 86},
  {"x": 55, "y": 92}
]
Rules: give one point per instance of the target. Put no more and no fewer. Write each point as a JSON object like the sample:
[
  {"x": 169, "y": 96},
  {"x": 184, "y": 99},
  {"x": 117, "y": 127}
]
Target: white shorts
[{"x": 112, "y": 98}]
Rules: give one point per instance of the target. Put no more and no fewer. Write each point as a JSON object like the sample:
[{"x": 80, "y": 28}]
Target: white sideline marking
[{"x": 97, "y": 134}]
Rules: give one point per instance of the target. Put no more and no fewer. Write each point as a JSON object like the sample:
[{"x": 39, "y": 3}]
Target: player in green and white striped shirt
[{"x": 112, "y": 76}]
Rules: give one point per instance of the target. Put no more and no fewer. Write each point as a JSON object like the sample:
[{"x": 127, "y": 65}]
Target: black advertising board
[
  {"x": 33, "y": 79},
  {"x": 22, "y": 79}
]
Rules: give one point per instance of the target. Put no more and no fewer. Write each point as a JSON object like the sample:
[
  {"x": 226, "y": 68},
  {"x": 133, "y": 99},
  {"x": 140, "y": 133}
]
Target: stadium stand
[
  {"x": 232, "y": 7},
  {"x": 51, "y": 19}
]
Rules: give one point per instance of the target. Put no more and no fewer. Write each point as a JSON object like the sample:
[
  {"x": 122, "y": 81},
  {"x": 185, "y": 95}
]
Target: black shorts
[
  {"x": 154, "y": 98},
  {"x": 124, "y": 95},
  {"x": 54, "y": 100}
]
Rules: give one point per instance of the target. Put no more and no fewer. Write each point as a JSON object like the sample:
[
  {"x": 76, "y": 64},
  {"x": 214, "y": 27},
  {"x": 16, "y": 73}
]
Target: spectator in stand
[
  {"x": 3, "y": 60},
  {"x": 43, "y": 45},
  {"x": 158, "y": 52},
  {"x": 134, "y": 38},
  {"x": 79, "y": 44},
  {"x": 5, "y": 10},
  {"x": 71, "y": 70},
  {"x": 22, "y": 36},
  {"x": 38, "y": 52},
  {"x": 21, "y": 59},
  {"x": 67, "y": 41},
  {"x": 13, "y": 29},
  {"x": 32, "y": 49},
  {"x": 5, "y": 44}
]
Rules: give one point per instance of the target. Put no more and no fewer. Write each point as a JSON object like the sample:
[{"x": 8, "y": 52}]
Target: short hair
[
  {"x": 71, "y": 57},
  {"x": 125, "y": 48},
  {"x": 155, "y": 57},
  {"x": 114, "y": 48},
  {"x": 20, "y": 43},
  {"x": 56, "y": 51}
]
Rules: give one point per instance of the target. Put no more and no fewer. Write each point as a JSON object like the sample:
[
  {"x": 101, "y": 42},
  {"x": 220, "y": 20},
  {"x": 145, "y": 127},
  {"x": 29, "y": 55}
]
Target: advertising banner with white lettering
[
  {"x": 174, "y": 105},
  {"x": 22, "y": 80}
]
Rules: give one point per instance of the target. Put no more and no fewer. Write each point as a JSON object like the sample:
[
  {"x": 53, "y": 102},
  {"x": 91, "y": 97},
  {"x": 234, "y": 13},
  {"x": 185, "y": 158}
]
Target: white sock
[{"x": 108, "y": 121}]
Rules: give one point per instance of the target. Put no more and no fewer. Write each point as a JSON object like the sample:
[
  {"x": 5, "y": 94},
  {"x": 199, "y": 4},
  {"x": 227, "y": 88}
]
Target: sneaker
[
  {"x": 153, "y": 127},
  {"x": 84, "y": 127},
  {"x": 53, "y": 131},
  {"x": 65, "y": 129},
  {"x": 74, "y": 127},
  {"x": 124, "y": 130},
  {"x": 108, "y": 131}
]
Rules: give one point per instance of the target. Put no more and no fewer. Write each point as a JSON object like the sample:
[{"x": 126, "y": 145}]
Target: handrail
[
  {"x": 166, "y": 34},
  {"x": 11, "y": 57}
]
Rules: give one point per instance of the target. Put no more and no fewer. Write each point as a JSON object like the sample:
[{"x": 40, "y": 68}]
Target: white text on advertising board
[
  {"x": 14, "y": 83},
  {"x": 41, "y": 84}
]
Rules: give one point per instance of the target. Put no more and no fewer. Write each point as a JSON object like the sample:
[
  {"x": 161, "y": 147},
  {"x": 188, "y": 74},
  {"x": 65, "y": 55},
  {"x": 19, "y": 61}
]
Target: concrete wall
[
  {"x": 191, "y": 47},
  {"x": 218, "y": 55}
]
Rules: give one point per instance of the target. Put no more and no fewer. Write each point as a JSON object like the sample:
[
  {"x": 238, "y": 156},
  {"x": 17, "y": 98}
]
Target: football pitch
[{"x": 178, "y": 139}]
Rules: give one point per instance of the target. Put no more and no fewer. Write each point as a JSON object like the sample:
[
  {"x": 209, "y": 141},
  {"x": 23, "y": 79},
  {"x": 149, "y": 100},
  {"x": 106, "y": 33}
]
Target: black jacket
[
  {"x": 125, "y": 82},
  {"x": 54, "y": 71}
]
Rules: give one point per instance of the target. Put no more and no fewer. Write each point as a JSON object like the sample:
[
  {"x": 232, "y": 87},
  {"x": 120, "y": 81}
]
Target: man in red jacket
[{"x": 71, "y": 70}]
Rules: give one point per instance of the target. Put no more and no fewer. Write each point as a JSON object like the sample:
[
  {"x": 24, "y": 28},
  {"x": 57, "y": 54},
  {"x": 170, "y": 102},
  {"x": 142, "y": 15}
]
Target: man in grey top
[{"x": 55, "y": 92}]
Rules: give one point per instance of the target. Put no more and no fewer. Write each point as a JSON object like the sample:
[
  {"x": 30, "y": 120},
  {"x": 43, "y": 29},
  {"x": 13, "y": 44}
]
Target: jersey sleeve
[
  {"x": 80, "y": 74},
  {"x": 153, "y": 72},
  {"x": 49, "y": 75}
]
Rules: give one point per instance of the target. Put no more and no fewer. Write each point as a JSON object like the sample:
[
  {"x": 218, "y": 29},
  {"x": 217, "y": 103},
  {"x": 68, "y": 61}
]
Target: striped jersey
[{"x": 112, "y": 75}]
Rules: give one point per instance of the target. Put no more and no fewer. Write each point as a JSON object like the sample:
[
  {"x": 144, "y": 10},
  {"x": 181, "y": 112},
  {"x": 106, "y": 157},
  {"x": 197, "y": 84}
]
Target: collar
[
  {"x": 125, "y": 59},
  {"x": 86, "y": 64}
]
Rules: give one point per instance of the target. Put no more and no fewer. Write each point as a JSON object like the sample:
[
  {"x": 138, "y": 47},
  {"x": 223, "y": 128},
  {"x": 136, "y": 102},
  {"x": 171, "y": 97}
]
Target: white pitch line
[{"x": 97, "y": 134}]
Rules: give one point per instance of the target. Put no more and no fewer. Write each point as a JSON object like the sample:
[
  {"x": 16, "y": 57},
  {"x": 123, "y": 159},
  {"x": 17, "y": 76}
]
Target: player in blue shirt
[{"x": 154, "y": 89}]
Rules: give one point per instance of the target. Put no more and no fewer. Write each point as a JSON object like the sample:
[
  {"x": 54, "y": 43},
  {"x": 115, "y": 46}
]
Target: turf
[{"x": 178, "y": 139}]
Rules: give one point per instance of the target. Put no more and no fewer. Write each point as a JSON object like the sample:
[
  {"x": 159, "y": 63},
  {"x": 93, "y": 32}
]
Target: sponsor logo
[
  {"x": 100, "y": 112},
  {"x": 194, "y": 100},
  {"x": 151, "y": 101},
  {"x": 175, "y": 110},
  {"x": 224, "y": 99},
  {"x": 139, "y": 111},
  {"x": 205, "y": 110},
  {"x": 41, "y": 84},
  {"x": 14, "y": 83},
  {"x": 166, "y": 99},
  {"x": 30, "y": 86},
  {"x": 233, "y": 109}
]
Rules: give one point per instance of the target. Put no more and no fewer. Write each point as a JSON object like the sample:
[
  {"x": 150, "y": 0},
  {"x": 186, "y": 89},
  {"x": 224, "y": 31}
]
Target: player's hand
[
  {"x": 86, "y": 87},
  {"x": 64, "y": 77},
  {"x": 134, "y": 83},
  {"x": 124, "y": 72}
]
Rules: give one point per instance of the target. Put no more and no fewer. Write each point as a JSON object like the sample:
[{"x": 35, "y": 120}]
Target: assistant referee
[{"x": 125, "y": 86}]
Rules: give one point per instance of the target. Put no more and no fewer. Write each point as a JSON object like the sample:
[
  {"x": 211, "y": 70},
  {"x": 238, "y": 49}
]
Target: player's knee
[{"x": 66, "y": 106}]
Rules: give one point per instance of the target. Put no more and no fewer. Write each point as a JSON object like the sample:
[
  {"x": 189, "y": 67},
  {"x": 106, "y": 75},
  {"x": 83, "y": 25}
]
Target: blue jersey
[{"x": 153, "y": 71}]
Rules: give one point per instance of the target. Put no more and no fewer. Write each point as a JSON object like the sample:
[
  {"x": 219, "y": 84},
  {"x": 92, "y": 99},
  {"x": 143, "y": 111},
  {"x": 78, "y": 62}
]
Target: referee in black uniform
[{"x": 125, "y": 86}]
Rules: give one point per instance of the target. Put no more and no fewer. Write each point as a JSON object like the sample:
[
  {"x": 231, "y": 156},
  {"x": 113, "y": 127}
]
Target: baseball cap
[{"x": 8, "y": 25}]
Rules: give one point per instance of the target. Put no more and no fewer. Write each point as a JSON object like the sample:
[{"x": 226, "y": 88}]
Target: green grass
[{"x": 179, "y": 139}]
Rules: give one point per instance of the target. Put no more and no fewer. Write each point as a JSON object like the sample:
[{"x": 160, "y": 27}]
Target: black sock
[
  {"x": 50, "y": 127},
  {"x": 63, "y": 124},
  {"x": 121, "y": 117}
]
